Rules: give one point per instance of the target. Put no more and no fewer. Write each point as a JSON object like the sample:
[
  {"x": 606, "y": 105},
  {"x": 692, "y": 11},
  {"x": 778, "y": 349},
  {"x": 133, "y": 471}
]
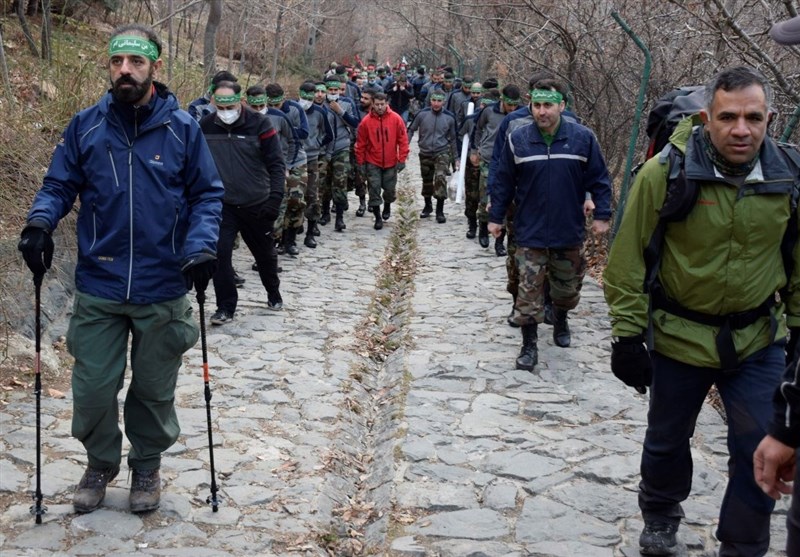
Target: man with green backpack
[{"x": 697, "y": 306}]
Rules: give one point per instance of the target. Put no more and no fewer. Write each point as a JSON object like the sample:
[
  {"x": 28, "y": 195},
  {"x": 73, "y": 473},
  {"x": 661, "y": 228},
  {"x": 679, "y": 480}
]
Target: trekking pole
[
  {"x": 212, "y": 499},
  {"x": 37, "y": 509}
]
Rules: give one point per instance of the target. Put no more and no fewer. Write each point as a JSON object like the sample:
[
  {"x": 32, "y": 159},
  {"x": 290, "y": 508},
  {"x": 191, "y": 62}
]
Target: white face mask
[
  {"x": 305, "y": 104},
  {"x": 263, "y": 110},
  {"x": 229, "y": 116},
  {"x": 332, "y": 98}
]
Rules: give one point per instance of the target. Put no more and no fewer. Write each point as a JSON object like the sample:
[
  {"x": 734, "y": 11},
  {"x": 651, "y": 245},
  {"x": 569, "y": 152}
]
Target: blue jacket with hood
[{"x": 150, "y": 197}]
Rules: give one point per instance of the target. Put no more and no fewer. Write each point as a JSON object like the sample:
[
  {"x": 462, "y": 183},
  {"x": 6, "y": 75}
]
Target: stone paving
[{"x": 379, "y": 413}]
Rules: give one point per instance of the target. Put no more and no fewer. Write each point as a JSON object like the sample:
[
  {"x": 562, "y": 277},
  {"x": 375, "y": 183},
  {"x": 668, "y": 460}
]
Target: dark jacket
[
  {"x": 150, "y": 197},
  {"x": 249, "y": 159},
  {"x": 549, "y": 185}
]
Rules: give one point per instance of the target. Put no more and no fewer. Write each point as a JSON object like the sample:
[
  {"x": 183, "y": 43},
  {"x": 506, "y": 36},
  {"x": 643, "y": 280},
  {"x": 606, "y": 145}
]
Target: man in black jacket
[
  {"x": 248, "y": 156},
  {"x": 775, "y": 458}
]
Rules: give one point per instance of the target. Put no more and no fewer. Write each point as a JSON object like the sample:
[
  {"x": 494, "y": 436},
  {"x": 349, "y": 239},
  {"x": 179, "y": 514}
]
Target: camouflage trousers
[
  {"x": 512, "y": 272},
  {"x": 382, "y": 184},
  {"x": 333, "y": 179},
  {"x": 434, "y": 170},
  {"x": 472, "y": 176},
  {"x": 355, "y": 181},
  {"x": 483, "y": 196},
  {"x": 293, "y": 205},
  {"x": 312, "y": 199},
  {"x": 564, "y": 268}
]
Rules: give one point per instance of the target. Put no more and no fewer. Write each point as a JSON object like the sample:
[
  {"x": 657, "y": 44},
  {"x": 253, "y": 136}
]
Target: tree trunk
[
  {"x": 170, "y": 39},
  {"x": 23, "y": 22},
  {"x": 47, "y": 32},
  {"x": 311, "y": 43},
  {"x": 277, "y": 47},
  {"x": 4, "y": 69},
  {"x": 210, "y": 38}
]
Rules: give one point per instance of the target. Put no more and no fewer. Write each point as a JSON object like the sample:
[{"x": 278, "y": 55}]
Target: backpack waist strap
[{"x": 727, "y": 323}]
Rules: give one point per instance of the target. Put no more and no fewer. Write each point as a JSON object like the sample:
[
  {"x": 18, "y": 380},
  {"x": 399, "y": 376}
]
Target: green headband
[
  {"x": 333, "y": 84},
  {"x": 437, "y": 96},
  {"x": 320, "y": 88},
  {"x": 307, "y": 95},
  {"x": 546, "y": 96},
  {"x": 509, "y": 100},
  {"x": 133, "y": 45},
  {"x": 275, "y": 100},
  {"x": 227, "y": 99},
  {"x": 257, "y": 100}
]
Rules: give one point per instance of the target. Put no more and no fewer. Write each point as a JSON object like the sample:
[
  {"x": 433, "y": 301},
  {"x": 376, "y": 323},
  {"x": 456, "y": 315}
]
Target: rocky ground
[{"x": 379, "y": 413}]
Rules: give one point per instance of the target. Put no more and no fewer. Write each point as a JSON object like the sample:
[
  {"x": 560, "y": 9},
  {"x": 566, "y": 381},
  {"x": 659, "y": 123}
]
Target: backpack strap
[{"x": 792, "y": 159}]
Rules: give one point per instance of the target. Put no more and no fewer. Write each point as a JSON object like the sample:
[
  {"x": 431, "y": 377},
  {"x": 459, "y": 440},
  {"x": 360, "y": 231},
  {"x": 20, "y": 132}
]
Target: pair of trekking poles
[{"x": 37, "y": 509}]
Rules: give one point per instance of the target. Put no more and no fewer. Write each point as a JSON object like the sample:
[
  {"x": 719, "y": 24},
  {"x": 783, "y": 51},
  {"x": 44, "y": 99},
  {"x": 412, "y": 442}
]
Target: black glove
[
  {"x": 269, "y": 210},
  {"x": 198, "y": 270},
  {"x": 36, "y": 246},
  {"x": 791, "y": 344},
  {"x": 401, "y": 166},
  {"x": 630, "y": 362}
]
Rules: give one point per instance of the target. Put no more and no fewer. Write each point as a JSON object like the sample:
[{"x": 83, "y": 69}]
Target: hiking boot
[
  {"x": 483, "y": 234},
  {"x": 309, "y": 241},
  {"x": 237, "y": 280},
  {"x": 658, "y": 538},
  {"x": 427, "y": 209},
  {"x": 528, "y": 354},
  {"x": 92, "y": 488},
  {"x": 378, "y": 220},
  {"x": 499, "y": 248},
  {"x": 289, "y": 237},
  {"x": 472, "y": 227},
  {"x": 145, "y": 490},
  {"x": 275, "y": 305},
  {"x": 326, "y": 214},
  {"x": 561, "y": 334},
  {"x": 340, "y": 225},
  {"x": 362, "y": 206},
  {"x": 440, "y": 218},
  {"x": 221, "y": 317},
  {"x": 387, "y": 211},
  {"x": 316, "y": 229}
]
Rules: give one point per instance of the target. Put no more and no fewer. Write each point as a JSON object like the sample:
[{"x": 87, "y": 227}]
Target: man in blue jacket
[
  {"x": 147, "y": 228},
  {"x": 546, "y": 169}
]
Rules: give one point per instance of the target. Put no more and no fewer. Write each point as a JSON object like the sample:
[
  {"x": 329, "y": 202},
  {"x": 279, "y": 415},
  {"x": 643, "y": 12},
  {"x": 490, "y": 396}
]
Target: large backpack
[{"x": 668, "y": 111}]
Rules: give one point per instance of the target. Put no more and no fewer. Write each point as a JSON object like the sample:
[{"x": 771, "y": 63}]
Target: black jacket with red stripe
[{"x": 248, "y": 157}]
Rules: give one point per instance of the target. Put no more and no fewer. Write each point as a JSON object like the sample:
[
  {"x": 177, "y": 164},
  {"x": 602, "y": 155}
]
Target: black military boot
[
  {"x": 548, "y": 304},
  {"x": 472, "y": 227},
  {"x": 561, "y": 334},
  {"x": 483, "y": 234},
  {"x": 387, "y": 211},
  {"x": 509, "y": 319},
  {"x": 528, "y": 354},
  {"x": 440, "y": 218},
  {"x": 326, "y": 213},
  {"x": 499, "y": 248},
  {"x": 362, "y": 206},
  {"x": 427, "y": 209},
  {"x": 289, "y": 239},
  {"x": 378, "y": 220},
  {"x": 339, "y": 225},
  {"x": 280, "y": 247},
  {"x": 309, "y": 241}
]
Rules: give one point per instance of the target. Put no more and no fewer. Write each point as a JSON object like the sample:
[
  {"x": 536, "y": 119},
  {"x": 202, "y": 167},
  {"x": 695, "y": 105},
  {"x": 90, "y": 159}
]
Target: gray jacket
[
  {"x": 486, "y": 130},
  {"x": 437, "y": 131}
]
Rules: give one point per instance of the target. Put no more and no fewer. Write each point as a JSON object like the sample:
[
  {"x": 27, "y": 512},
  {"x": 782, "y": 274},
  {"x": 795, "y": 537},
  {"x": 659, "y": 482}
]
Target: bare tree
[
  {"x": 26, "y": 30},
  {"x": 210, "y": 38}
]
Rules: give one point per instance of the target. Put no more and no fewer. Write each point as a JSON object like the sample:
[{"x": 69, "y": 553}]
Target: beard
[{"x": 127, "y": 90}]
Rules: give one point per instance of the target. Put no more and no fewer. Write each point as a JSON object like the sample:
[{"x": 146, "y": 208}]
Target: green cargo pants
[{"x": 98, "y": 340}]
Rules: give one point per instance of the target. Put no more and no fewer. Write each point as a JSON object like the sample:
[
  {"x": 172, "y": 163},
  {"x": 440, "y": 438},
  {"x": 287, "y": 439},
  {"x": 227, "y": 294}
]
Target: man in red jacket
[{"x": 381, "y": 152}]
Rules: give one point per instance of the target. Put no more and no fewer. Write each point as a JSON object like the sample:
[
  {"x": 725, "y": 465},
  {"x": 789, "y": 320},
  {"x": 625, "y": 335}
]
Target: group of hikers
[{"x": 164, "y": 193}]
